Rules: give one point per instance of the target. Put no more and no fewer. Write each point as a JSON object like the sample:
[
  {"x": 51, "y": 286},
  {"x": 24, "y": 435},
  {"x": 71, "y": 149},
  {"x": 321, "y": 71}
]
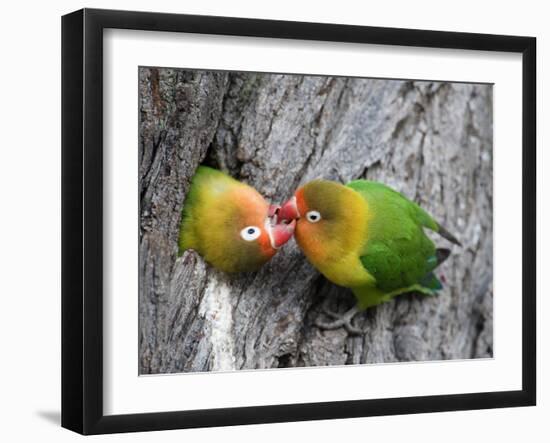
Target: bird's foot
[{"x": 345, "y": 320}]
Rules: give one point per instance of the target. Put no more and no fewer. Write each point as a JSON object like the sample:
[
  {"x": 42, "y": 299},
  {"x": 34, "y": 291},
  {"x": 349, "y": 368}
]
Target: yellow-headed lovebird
[
  {"x": 229, "y": 223},
  {"x": 367, "y": 237}
]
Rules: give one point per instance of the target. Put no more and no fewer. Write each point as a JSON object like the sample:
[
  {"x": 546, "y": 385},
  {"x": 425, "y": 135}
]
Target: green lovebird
[
  {"x": 229, "y": 223},
  {"x": 367, "y": 237}
]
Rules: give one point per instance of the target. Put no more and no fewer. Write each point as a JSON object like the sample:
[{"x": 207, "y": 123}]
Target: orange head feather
[
  {"x": 229, "y": 223},
  {"x": 331, "y": 220}
]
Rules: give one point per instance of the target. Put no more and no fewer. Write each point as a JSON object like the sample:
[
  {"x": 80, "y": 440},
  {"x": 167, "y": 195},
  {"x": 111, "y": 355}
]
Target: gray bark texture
[{"x": 432, "y": 141}]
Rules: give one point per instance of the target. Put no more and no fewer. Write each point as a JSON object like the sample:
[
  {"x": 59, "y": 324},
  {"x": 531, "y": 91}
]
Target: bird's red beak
[
  {"x": 273, "y": 209},
  {"x": 289, "y": 211},
  {"x": 281, "y": 233}
]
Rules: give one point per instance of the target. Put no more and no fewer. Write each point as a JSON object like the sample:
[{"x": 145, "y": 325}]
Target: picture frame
[{"x": 82, "y": 221}]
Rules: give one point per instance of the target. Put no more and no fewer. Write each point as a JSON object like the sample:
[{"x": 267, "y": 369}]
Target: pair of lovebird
[{"x": 364, "y": 235}]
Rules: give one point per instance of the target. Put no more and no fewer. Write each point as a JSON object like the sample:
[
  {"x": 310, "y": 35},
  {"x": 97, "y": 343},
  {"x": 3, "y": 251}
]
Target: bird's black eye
[
  {"x": 250, "y": 233},
  {"x": 313, "y": 216}
]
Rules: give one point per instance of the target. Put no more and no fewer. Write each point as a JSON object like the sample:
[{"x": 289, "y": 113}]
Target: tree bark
[{"x": 432, "y": 141}]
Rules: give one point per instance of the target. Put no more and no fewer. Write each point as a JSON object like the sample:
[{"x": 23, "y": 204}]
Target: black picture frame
[{"x": 82, "y": 218}]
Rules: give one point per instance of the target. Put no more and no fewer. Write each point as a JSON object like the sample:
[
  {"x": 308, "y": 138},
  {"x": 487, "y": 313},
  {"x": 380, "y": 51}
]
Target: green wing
[{"x": 397, "y": 252}]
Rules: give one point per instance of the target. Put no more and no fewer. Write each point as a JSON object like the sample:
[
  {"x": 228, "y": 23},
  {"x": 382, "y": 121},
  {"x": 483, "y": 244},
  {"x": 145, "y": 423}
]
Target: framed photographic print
[{"x": 269, "y": 221}]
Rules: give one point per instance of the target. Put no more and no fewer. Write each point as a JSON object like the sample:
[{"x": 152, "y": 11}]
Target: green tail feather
[{"x": 431, "y": 282}]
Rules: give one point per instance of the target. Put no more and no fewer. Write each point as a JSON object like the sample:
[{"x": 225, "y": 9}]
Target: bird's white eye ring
[
  {"x": 250, "y": 233},
  {"x": 313, "y": 216}
]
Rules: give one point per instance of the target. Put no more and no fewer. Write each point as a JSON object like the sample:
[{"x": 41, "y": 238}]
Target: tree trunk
[{"x": 432, "y": 141}]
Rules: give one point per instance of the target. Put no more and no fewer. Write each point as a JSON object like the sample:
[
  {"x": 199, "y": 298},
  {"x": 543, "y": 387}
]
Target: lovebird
[
  {"x": 367, "y": 237},
  {"x": 229, "y": 223}
]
